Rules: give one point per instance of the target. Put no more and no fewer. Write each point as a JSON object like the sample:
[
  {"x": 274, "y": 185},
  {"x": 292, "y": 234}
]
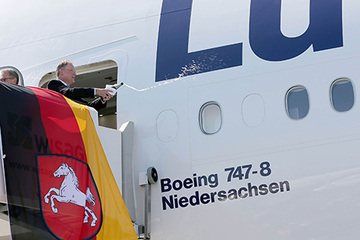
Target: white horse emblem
[{"x": 69, "y": 192}]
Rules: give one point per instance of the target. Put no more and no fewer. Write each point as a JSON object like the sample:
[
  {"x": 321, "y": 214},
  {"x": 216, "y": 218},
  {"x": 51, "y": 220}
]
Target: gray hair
[
  {"x": 61, "y": 65},
  {"x": 12, "y": 73}
]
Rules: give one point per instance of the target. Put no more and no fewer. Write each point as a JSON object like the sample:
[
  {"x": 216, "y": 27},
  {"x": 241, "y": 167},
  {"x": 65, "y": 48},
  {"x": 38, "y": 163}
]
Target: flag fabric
[{"x": 59, "y": 183}]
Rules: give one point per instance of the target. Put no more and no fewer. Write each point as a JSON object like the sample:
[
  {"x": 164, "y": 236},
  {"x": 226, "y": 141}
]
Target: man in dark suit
[{"x": 66, "y": 73}]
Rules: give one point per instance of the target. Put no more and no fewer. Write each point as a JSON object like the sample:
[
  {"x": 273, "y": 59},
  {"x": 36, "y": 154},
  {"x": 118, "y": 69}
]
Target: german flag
[{"x": 59, "y": 183}]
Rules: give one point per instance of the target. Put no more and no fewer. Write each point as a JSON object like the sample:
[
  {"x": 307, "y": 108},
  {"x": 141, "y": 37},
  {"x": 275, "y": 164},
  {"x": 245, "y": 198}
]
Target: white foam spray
[{"x": 185, "y": 71}]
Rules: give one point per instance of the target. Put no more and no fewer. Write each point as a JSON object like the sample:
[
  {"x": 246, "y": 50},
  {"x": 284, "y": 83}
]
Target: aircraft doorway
[{"x": 96, "y": 75}]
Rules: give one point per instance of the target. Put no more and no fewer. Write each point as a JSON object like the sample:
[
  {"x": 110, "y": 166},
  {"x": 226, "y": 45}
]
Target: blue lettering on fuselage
[
  {"x": 265, "y": 37},
  {"x": 267, "y": 41},
  {"x": 173, "y": 41}
]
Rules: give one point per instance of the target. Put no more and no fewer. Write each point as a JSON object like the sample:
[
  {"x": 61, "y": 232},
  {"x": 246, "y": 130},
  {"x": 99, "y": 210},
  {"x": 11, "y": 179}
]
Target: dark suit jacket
[{"x": 76, "y": 94}]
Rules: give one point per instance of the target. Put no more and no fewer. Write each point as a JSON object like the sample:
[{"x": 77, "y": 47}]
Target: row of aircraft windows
[
  {"x": 296, "y": 104},
  {"x": 341, "y": 98}
]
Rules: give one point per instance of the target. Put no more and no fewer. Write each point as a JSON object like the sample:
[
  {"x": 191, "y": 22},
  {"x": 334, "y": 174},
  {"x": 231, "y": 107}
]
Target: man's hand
[{"x": 103, "y": 93}]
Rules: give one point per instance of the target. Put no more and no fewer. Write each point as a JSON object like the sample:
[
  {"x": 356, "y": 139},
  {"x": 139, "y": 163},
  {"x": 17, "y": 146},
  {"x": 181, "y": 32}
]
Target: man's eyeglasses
[
  {"x": 4, "y": 79},
  {"x": 69, "y": 70}
]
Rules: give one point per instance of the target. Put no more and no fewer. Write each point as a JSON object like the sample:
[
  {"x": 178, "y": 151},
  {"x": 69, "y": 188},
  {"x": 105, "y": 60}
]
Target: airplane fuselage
[{"x": 209, "y": 87}]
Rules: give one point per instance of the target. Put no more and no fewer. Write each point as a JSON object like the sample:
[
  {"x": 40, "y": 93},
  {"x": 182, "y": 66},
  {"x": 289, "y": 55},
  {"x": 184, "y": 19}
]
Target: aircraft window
[
  {"x": 297, "y": 102},
  {"x": 210, "y": 118},
  {"x": 342, "y": 95}
]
